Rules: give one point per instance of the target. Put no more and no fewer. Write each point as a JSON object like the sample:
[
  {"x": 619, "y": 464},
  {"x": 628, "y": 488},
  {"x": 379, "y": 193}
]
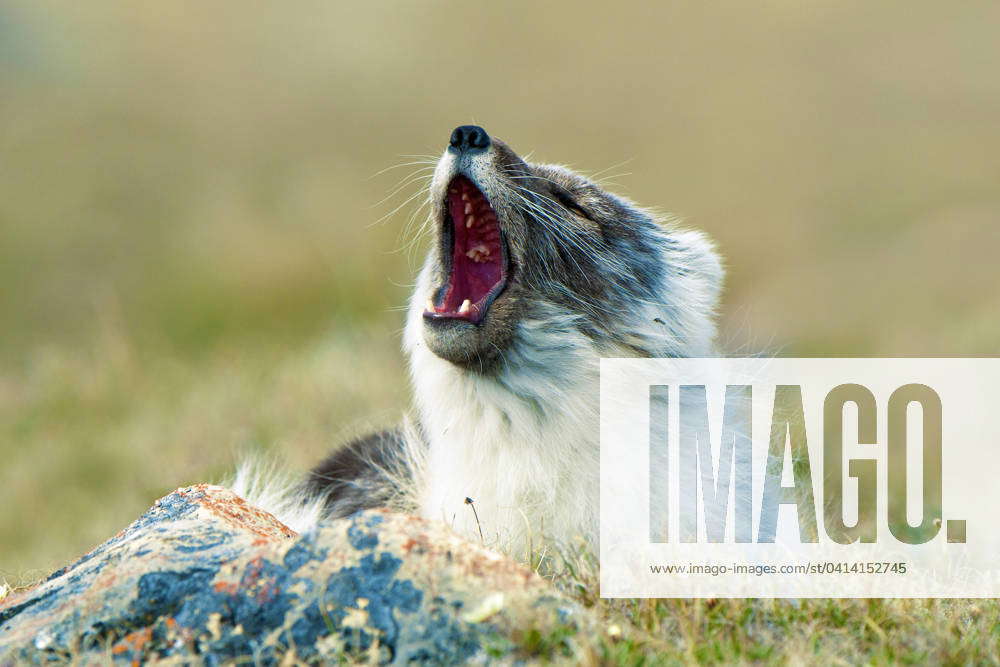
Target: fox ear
[
  {"x": 704, "y": 260},
  {"x": 694, "y": 284}
]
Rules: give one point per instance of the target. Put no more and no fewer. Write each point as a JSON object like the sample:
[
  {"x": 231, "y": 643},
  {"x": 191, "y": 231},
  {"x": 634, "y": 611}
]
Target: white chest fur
[{"x": 522, "y": 445}]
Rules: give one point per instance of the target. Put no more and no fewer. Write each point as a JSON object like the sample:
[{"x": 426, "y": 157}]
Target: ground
[{"x": 155, "y": 425}]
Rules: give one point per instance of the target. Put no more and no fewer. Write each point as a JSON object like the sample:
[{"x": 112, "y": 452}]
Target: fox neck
[{"x": 521, "y": 443}]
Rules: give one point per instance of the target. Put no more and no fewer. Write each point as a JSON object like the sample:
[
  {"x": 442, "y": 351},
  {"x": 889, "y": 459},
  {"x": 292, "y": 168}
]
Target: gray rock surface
[{"x": 205, "y": 577}]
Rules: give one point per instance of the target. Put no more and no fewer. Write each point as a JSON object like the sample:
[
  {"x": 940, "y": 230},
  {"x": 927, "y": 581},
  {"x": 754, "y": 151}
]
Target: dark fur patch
[{"x": 360, "y": 475}]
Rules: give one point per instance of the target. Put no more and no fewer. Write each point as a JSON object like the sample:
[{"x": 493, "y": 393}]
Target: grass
[
  {"x": 768, "y": 631},
  {"x": 946, "y": 632},
  {"x": 151, "y": 425}
]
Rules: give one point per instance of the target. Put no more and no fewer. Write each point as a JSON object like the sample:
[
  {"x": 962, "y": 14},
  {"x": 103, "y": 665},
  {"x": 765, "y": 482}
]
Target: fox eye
[{"x": 567, "y": 200}]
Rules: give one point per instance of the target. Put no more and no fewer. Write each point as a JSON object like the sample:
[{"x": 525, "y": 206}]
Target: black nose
[{"x": 469, "y": 138}]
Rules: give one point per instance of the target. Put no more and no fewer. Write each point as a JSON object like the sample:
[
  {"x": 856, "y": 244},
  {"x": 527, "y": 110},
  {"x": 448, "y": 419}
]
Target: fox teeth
[
  {"x": 465, "y": 307},
  {"x": 477, "y": 253},
  {"x": 465, "y": 196},
  {"x": 469, "y": 221},
  {"x": 430, "y": 306},
  {"x": 468, "y": 208}
]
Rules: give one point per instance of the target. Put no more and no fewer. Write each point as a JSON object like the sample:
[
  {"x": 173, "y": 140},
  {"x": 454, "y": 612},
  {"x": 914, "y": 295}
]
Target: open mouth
[{"x": 475, "y": 252}]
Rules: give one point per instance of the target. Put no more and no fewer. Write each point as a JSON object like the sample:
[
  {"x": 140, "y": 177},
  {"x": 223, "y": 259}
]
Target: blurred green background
[{"x": 189, "y": 265}]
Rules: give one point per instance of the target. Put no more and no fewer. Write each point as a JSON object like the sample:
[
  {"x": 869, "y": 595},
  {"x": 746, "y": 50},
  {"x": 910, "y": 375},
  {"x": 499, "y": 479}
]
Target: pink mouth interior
[{"x": 477, "y": 259}]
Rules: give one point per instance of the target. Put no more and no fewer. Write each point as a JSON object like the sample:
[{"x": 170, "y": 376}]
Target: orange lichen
[
  {"x": 237, "y": 511},
  {"x": 133, "y": 641},
  {"x": 226, "y": 587}
]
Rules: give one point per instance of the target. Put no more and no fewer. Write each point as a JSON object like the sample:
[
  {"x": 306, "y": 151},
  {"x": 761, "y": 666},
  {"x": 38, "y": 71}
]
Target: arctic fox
[{"x": 535, "y": 273}]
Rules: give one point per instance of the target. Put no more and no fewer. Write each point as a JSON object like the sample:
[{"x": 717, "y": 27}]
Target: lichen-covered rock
[{"x": 203, "y": 576}]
